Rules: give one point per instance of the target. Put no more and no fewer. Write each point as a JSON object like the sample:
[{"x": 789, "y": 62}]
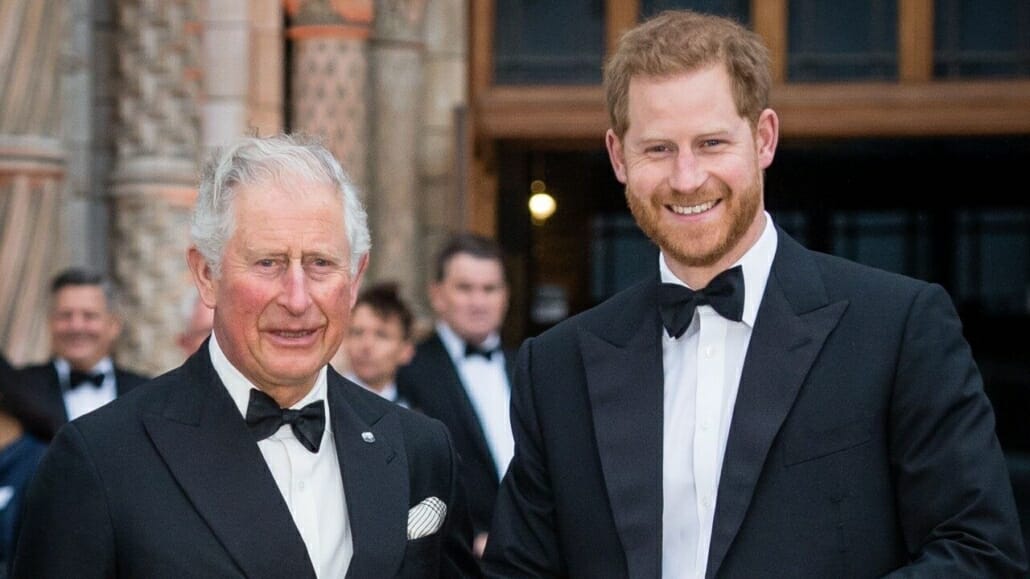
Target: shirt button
[
  {"x": 300, "y": 485},
  {"x": 707, "y": 502},
  {"x": 706, "y": 425},
  {"x": 709, "y": 351}
]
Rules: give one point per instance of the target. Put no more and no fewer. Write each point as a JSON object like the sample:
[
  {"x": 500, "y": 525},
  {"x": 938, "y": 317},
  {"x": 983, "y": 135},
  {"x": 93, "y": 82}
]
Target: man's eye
[{"x": 266, "y": 262}]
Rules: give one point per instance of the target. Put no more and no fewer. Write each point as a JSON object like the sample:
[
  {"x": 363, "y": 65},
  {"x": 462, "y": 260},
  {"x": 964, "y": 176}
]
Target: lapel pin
[{"x": 368, "y": 437}]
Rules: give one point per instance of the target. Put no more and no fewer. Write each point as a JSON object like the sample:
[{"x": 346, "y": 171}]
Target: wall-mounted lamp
[{"x": 541, "y": 204}]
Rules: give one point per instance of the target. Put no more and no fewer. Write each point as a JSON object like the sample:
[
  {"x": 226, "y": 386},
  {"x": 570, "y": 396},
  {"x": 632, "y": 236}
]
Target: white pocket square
[{"x": 426, "y": 518}]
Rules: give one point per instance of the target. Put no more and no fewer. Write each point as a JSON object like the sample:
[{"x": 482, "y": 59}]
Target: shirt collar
[
  {"x": 239, "y": 387},
  {"x": 756, "y": 264},
  {"x": 455, "y": 345}
]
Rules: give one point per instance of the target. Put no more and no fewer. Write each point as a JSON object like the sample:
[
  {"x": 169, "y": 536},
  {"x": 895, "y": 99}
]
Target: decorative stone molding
[{"x": 330, "y": 85}]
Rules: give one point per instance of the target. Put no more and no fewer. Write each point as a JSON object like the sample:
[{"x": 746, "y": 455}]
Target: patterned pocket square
[{"x": 426, "y": 518}]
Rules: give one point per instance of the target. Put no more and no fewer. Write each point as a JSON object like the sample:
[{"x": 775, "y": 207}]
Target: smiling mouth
[
  {"x": 293, "y": 334},
  {"x": 692, "y": 209}
]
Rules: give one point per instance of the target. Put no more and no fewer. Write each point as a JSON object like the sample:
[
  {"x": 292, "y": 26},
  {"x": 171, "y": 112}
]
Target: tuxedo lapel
[
  {"x": 375, "y": 480},
  {"x": 207, "y": 447},
  {"x": 623, "y": 361},
  {"x": 55, "y": 395},
  {"x": 793, "y": 322},
  {"x": 459, "y": 398}
]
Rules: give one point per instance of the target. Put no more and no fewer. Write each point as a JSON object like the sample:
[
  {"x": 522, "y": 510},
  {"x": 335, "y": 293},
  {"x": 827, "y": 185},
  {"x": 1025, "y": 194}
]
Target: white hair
[{"x": 259, "y": 160}]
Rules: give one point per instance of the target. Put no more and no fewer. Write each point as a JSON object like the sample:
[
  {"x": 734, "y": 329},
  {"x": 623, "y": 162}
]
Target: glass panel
[
  {"x": 546, "y": 42},
  {"x": 842, "y": 40},
  {"x": 982, "y": 38},
  {"x": 621, "y": 255},
  {"x": 897, "y": 241},
  {"x": 994, "y": 260},
  {"x": 736, "y": 9},
  {"x": 795, "y": 223}
]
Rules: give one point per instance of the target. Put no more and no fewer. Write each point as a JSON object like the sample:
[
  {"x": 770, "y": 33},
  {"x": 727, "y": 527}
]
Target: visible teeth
[
  {"x": 299, "y": 334},
  {"x": 693, "y": 209}
]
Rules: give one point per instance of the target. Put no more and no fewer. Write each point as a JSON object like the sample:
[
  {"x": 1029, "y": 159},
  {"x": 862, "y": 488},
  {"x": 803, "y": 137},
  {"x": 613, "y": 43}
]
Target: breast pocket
[{"x": 810, "y": 445}]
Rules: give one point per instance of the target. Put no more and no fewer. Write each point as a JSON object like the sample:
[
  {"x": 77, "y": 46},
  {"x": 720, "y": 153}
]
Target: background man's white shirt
[
  {"x": 486, "y": 383},
  {"x": 86, "y": 398}
]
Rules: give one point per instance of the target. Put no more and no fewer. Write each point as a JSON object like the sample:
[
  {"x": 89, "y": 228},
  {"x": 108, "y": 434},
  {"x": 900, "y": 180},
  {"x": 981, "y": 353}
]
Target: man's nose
[
  {"x": 688, "y": 174},
  {"x": 296, "y": 294}
]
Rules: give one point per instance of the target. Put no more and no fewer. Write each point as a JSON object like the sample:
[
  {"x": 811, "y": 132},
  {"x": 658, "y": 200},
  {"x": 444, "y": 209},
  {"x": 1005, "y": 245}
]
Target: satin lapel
[
  {"x": 460, "y": 399},
  {"x": 793, "y": 322},
  {"x": 54, "y": 394},
  {"x": 375, "y": 480},
  {"x": 207, "y": 447},
  {"x": 623, "y": 364}
]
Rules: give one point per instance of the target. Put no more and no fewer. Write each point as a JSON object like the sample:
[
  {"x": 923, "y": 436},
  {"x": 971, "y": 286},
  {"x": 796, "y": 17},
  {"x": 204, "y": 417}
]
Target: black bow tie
[
  {"x": 471, "y": 350},
  {"x": 77, "y": 378},
  {"x": 725, "y": 293},
  {"x": 264, "y": 417}
]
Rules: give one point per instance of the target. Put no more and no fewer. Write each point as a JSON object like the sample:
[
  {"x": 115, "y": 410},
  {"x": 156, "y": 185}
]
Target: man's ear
[
  {"x": 767, "y": 135},
  {"x": 203, "y": 277},
  {"x": 407, "y": 353},
  {"x": 435, "y": 299},
  {"x": 355, "y": 282},
  {"x": 616, "y": 155}
]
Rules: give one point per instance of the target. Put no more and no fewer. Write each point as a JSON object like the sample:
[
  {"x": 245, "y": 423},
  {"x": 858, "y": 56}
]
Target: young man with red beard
[{"x": 756, "y": 409}]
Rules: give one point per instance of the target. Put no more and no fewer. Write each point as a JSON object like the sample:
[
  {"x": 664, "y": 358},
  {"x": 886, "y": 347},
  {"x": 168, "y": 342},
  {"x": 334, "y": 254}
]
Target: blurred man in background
[
  {"x": 81, "y": 376},
  {"x": 379, "y": 340},
  {"x": 460, "y": 374}
]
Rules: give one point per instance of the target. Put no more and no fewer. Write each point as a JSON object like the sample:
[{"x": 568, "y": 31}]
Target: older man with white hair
[{"x": 255, "y": 458}]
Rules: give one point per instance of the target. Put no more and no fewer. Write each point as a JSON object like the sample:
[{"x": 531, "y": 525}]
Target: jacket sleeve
[
  {"x": 67, "y": 530},
  {"x": 457, "y": 560},
  {"x": 523, "y": 540},
  {"x": 953, "y": 493}
]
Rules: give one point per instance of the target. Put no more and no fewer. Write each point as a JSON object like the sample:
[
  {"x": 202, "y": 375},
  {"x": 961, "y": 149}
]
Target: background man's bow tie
[
  {"x": 471, "y": 350},
  {"x": 77, "y": 378}
]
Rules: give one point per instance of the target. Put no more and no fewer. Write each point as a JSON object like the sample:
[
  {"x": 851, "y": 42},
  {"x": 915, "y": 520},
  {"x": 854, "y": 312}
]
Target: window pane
[
  {"x": 736, "y": 9},
  {"x": 982, "y": 38},
  {"x": 842, "y": 40},
  {"x": 621, "y": 255},
  {"x": 994, "y": 260},
  {"x": 541, "y": 41},
  {"x": 897, "y": 241}
]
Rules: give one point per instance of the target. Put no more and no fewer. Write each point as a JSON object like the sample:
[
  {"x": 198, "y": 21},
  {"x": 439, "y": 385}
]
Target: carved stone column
[
  {"x": 265, "y": 107},
  {"x": 329, "y": 77},
  {"x": 397, "y": 94},
  {"x": 155, "y": 175},
  {"x": 31, "y": 170}
]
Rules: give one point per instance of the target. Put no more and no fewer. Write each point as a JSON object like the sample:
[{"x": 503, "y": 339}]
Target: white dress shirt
[
  {"x": 311, "y": 483},
  {"x": 86, "y": 398},
  {"x": 486, "y": 383},
  {"x": 702, "y": 373}
]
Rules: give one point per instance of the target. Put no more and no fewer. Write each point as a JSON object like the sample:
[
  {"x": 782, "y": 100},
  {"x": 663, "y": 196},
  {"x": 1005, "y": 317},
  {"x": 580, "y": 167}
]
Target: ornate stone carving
[{"x": 157, "y": 144}]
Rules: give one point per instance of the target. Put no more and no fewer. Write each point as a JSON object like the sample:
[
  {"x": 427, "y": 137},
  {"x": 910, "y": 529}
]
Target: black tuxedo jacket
[
  {"x": 432, "y": 385},
  {"x": 42, "y": 385},
  {"x": 168, "y": 482},
  {"x": 861, "y": 444}
]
